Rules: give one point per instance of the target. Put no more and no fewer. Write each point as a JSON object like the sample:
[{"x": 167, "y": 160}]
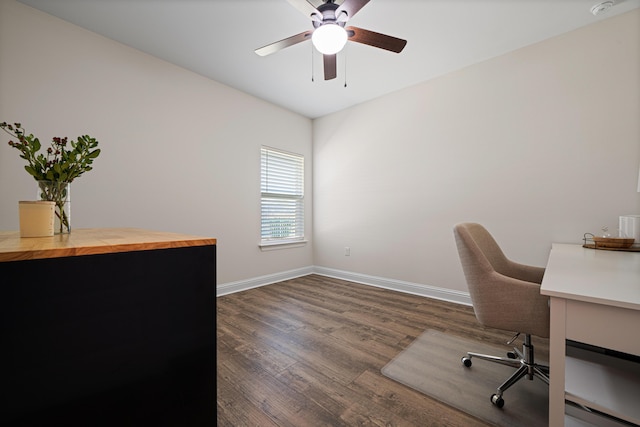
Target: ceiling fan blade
[
  {"x": 374, "y": 39},
  {"x": 279, "y": 45},
  {"x": 351, "y": 7},
  {"x": 330, "y": 67},
  {"x": 307, "y": 9}
]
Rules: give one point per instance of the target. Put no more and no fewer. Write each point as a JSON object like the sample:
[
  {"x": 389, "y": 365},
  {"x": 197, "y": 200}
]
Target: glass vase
[{"x": 60, "y": 193}]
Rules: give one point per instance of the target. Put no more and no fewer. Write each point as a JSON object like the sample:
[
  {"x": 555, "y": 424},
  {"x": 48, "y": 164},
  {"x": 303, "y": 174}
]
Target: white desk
[{"x": 595, "y": 299}]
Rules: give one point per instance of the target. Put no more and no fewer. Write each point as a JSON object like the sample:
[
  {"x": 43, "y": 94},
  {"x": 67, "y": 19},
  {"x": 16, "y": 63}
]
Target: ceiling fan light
[{"x": 329, "y": 39}]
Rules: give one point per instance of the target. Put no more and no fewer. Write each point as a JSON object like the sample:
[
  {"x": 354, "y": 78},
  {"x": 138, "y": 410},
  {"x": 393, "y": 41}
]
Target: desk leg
[{"x": 557, "y": 351}]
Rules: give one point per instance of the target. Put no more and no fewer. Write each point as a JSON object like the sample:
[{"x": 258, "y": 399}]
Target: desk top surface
[
  {"x": 92, "y": 241},
  {"x": 591, "y": 275}
]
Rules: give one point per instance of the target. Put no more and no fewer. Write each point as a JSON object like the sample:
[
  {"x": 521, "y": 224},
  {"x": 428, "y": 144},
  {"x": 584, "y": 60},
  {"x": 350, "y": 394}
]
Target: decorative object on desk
[
  {"x": 55, "y": 170},
  {"x": 613, "y": 242},
  {"x": 608, "y": 242},
  {"x": 630, "y": 226},
  {"x": 36, "y": 218}
]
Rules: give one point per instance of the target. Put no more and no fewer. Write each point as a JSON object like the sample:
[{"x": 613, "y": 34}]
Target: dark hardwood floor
[{"x": 308, "y": 352}]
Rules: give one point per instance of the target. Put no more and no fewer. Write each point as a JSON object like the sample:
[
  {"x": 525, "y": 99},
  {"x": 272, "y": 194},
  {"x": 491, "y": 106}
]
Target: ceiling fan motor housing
[{"x": 328, "y": 11}]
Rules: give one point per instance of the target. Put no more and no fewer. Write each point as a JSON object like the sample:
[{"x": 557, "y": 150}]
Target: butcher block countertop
[{"x": 92, "y": 241}]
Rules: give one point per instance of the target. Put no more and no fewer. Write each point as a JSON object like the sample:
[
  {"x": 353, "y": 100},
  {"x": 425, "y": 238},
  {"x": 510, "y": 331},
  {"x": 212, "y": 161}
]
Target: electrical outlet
[{"x": 347, "y": 251}]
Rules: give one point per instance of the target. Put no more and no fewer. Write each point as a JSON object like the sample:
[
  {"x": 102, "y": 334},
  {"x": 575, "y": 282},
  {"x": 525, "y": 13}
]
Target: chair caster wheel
[
  {"x": 466, "y": 361},
  {"x": 497, "y": 400},
  {"x": 512, "y": 355}
]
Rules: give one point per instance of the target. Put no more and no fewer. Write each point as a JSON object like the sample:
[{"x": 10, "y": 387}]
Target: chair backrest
[
  {"x": 480, "y": 248},
  {"x": 505, "y": 294}
]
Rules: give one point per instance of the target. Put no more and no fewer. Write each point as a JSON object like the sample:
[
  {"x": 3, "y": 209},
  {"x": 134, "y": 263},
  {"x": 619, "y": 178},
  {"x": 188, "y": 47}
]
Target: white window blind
[{"x": 282, "y": 196}]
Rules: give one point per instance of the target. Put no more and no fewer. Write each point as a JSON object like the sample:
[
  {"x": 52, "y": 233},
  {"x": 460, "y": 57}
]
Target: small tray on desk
[{"x": 593, "y": 246}]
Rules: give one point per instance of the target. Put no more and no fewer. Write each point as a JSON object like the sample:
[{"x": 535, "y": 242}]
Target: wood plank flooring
[{"x": 308, "y": 352}]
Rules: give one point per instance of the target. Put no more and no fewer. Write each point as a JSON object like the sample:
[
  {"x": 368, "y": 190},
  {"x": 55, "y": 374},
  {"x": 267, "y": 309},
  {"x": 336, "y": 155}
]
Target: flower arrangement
[{"x": 59, "y": 167}]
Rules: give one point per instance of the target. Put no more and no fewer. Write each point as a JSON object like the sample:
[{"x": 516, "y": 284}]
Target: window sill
[{"x": 272, "y": 246}]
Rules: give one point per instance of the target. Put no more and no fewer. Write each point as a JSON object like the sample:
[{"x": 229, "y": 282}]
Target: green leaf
[{"x": 31, "y": 171}]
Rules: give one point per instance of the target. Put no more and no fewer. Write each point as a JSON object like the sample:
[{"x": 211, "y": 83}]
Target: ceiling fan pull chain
[
  {"x": 345, "y": 68},
  {"x": 312, "y": 65}
]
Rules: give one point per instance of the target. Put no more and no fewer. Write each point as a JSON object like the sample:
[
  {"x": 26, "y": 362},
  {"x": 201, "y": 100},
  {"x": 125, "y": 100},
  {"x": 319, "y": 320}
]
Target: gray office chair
[{"x": 505, "y": 295}]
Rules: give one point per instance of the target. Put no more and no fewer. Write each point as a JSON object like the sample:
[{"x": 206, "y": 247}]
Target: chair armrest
[
  {"x": 512, "y": 304},
  {"x": 528, "y": 273}
]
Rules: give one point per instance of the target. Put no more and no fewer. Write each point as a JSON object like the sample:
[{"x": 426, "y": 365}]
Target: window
[{"x": 282, "y": 197}]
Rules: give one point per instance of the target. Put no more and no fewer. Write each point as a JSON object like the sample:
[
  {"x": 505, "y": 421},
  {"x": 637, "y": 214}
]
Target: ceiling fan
[{"x": 330, "y": 34}]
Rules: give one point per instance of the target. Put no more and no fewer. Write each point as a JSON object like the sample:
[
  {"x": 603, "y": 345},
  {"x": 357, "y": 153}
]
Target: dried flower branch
[{"x": 60, "y": 163}]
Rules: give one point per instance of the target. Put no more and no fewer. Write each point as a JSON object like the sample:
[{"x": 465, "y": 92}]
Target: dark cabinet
[{"x": 124, "y": 338}]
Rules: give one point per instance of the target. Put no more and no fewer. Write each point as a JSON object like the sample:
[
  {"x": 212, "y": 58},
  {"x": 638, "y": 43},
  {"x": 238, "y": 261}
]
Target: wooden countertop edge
[
  {"x": 97, "y": 250},
  {"x": 99, "y": 245}
]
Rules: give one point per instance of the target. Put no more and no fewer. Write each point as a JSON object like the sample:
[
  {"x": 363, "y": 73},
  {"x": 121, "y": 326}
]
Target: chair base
[{"x": 523, "y": 361}]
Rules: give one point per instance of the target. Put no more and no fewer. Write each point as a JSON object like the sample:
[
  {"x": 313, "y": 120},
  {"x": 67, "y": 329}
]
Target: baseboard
[
  {"x": 380, "y": 282},
  {"x": 256, "y": 282},
  {"x": 398, "y": 285}
]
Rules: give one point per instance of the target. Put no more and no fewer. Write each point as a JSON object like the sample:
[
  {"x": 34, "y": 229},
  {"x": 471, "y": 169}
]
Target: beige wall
[
  {"x": 541, "y": 145},
  {"x": 180, "y": 152}
]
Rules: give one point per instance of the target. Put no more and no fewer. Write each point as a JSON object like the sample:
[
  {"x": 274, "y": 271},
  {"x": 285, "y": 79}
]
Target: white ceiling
[{"x": 217, "y": 38}]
